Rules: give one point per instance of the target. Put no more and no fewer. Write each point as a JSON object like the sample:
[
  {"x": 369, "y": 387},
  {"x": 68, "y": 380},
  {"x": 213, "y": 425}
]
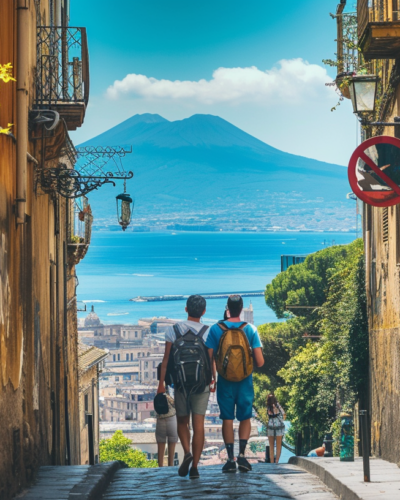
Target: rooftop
[{"x": 89, "y": 356}]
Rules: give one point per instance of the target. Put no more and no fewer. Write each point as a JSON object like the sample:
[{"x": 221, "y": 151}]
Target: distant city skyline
[{"x": 253, "y": 64}]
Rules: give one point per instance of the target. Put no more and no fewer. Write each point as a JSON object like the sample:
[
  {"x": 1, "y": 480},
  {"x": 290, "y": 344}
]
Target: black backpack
[
  {"x": 161, "y": 404},
  {"x": 189, "y": 366}
]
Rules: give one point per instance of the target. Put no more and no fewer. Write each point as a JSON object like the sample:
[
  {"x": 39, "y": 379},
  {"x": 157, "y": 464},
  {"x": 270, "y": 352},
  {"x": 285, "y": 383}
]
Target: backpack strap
[
  {"x": 242, "y": 325},
  {"x": 202, "y": 332},
  {"x": 177, "y": 332},
  {"x": 222, "y": 325}
]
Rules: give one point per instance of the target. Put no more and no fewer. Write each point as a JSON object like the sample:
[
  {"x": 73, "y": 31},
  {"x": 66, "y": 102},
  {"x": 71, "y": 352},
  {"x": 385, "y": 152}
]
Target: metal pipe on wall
[
  {"x": 22, "y": 105},
  {"x": 58, "y": 13}
]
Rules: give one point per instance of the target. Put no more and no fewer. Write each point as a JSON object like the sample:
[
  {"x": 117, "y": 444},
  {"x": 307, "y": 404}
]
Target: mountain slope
[{"x": 204, "y": 171}]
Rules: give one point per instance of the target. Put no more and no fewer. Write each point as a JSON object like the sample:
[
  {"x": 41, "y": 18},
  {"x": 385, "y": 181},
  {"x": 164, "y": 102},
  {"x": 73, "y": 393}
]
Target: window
[
  {"x": 148, "y": 354},
  {"x": 131, "y": 356},
  {"x": 127, "y": 357},
  {"x": 113, "y": 357},
  {"x": 146, "y": 365},
  {"x": 119, "y": 357},
  {"x": 154, "y": 375},
  {"x": 86, "y": 403},
  {"x": 126, "y": 377},
  {"x": 127, "y": 406},
  {"x": 138, "y": 354},
  {"x": 112, "y": 404},
  {"x": 146, "y": 374},
  {"x": 154, "y": 364},
  {"x": 135, "y": 335},
  {"x": 117, "y": 379}
]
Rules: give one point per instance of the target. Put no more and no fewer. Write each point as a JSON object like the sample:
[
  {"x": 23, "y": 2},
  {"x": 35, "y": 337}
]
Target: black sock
[
  {"x": 229, "y": 450},
  {"x": 242, "y": 446}
]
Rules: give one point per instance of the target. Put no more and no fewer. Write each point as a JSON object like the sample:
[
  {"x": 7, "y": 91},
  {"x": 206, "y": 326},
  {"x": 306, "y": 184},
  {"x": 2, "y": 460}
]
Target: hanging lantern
[
  {"x": 124, "y": 209},
  {"x": 363, "y": 90}
]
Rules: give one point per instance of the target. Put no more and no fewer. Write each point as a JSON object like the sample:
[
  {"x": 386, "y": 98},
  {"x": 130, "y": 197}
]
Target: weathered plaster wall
[{"x": 38, "y": 352}]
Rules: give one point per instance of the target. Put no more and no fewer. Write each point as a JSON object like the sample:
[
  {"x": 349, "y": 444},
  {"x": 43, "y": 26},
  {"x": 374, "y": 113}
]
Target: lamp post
[
  {"x": 124, "y": 202},
  {"x": 363, "y": 90}
]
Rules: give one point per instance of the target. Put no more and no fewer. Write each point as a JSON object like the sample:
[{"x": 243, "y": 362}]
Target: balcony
[
  {"x": 62, "y": 73},
  {"x": 379, "y": 28},
  {"x": 79, "y": 230}
]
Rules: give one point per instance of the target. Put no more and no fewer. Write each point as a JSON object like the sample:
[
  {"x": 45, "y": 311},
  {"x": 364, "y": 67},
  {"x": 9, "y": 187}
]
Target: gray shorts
[
  {"x": 277, "y": 433},
  {"x": 197, "y": 403},
  {"x": 167, "y": 429}
]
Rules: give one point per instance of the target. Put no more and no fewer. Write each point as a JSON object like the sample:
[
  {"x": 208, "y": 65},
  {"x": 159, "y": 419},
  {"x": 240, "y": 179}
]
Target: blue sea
[{"x": 120, "y": 266}]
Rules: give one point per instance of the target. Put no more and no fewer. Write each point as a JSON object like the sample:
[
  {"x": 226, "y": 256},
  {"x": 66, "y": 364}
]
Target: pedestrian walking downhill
[
  {"x": 235, "y": 346},
  {"x": 186, "y": 366}
]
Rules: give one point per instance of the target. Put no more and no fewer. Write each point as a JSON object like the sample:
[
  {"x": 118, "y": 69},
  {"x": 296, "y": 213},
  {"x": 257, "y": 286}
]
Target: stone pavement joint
[
  {"x": 346, "y": 479},
  {"x": 264, "y": 482},
  {"x": 74, "y": 482}
]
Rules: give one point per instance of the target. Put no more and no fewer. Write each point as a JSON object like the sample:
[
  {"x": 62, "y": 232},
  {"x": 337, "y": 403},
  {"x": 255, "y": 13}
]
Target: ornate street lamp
[
  {"x": 124, "y": 202},
  {"x": 363, "y": 89}
]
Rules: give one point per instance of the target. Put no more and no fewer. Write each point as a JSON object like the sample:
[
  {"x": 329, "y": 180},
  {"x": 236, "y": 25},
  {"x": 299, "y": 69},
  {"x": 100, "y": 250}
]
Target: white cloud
[{"x": 292, "y": 80}]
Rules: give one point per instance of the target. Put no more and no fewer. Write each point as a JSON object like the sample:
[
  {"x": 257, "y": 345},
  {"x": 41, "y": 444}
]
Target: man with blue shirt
[{"x": 235, "y": 399}]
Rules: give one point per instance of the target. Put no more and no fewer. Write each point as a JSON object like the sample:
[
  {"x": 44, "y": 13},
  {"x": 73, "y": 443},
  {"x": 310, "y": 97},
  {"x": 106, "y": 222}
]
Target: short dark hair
[
  {"x": 235, "y": 305},
  {"x": 196, "y": 305}
]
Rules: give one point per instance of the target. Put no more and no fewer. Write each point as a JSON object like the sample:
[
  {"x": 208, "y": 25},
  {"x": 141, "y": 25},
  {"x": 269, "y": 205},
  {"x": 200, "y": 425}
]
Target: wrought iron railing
[
  {"x": 347, "y": 42},
  {"x": 376, "y": 11},
  {"x": 62, "y": 66}
]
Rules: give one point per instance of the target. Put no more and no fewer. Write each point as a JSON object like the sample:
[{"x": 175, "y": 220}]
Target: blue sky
[{"x": 220, "y": 57}]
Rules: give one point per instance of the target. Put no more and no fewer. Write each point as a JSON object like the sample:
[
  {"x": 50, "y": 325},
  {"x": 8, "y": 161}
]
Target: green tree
[
  {"x": 119, "y": 447},
  {"x": 315, "y": 380}
]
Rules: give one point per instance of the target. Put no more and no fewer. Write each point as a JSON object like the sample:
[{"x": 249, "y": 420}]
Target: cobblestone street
[{"x": 265, "y": 482}]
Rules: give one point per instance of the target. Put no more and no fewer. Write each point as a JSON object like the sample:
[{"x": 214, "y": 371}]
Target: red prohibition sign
[{"x": 369, "y": 181}]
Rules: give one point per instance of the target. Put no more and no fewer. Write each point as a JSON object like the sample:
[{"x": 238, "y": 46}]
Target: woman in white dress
[{"x": 276, "y": 427}]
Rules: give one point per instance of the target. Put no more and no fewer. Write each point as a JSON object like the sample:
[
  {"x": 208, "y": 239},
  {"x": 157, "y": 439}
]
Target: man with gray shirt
[{"x": 189, "y": 403}]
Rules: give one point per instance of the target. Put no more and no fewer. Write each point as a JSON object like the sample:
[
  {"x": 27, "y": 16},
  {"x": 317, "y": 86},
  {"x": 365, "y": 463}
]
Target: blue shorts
[{"x": 235, "y": 395}]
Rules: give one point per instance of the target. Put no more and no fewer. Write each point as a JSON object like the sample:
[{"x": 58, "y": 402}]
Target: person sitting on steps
[
  {"x": 235, "y": 345},
  {"x": 186, "y": 365}
]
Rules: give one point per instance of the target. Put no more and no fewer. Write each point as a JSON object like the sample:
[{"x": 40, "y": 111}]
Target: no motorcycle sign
[{"x": 374, "y": 171}]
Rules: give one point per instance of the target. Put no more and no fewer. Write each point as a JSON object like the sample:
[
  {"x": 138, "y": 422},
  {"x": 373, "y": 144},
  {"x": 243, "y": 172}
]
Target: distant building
[
  {"x": 247, "y": 314},
  {"x": 92, "y": 319},
  {"x": 90, "y": 362},
  {"x": 291, "y": 260}
]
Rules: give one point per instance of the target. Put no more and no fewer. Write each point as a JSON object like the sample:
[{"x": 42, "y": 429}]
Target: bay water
[{"x": 120, "y": 266}]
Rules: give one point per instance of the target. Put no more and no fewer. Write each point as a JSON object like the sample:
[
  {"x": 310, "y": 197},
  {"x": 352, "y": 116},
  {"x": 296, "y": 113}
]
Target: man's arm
[
  {"x": 258, "y": 356},
  {"x": 163, "y": 371},
  {"x": 212, "y": 363}
]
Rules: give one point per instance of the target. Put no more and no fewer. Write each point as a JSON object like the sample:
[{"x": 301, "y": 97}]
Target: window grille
[{"x": 385, "y": 224}]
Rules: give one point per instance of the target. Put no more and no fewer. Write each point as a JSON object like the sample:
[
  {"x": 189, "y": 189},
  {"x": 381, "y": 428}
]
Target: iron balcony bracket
[
  {"x": 366, "y": 123},
  {"x": 71, "y": 184}
]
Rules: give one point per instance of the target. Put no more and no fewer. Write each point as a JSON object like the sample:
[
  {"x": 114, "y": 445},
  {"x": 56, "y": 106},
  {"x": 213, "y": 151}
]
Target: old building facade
[
  {"x": 39, "y": 410},
  {"x": 375, "y": 30}
]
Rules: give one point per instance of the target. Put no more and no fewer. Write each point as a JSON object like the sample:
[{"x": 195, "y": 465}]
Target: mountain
[{"x": 203, "y": 172}]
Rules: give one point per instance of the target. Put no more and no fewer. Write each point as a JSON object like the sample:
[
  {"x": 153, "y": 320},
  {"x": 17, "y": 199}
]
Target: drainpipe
[
  {"x": 22, "y": 105},
  {"x": 57, "y": 12}
]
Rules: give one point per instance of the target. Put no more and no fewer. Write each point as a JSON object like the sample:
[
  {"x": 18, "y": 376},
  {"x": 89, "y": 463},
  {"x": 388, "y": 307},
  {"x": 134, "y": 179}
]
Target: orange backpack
[{"x": 234, "y": 358}]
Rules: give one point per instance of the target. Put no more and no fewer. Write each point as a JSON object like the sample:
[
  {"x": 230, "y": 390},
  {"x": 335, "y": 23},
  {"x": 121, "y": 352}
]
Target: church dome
[{"x": 92, "y": 319}]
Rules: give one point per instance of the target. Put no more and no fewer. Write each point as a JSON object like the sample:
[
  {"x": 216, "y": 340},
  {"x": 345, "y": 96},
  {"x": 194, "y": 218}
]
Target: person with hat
[
  {"x": 236, "y": 347},
  {"x": 166, "y": 427}
]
